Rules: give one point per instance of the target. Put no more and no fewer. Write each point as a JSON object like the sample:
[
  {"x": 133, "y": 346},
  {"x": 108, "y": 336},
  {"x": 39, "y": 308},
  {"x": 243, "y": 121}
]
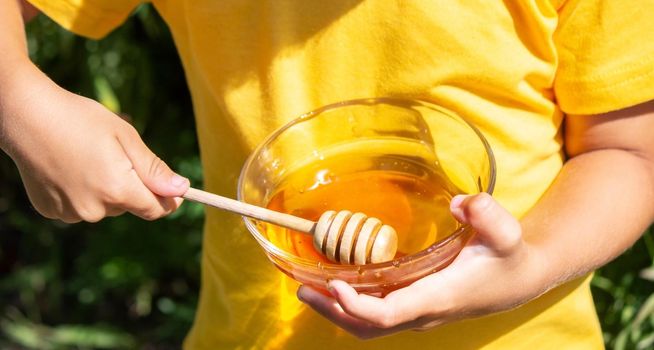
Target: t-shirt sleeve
[
  {"x": 606, "y": 55},
  {"x": 90, "y": 18}
]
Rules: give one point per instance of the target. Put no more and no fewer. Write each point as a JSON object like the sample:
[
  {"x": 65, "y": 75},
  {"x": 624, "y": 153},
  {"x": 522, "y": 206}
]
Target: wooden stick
[
  {"x": 274, "y": 217},
  {"x": 375, "y": 242}
]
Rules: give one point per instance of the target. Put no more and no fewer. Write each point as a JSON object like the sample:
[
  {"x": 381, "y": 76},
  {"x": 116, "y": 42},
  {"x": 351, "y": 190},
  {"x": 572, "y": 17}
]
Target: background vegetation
[
  {"x": 124, "y": 282},
  {"x": 127, "y": 283}
]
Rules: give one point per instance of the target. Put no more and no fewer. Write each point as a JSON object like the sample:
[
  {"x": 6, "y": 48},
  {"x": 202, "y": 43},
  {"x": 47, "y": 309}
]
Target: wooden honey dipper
[{"x": 340, "y": 236}]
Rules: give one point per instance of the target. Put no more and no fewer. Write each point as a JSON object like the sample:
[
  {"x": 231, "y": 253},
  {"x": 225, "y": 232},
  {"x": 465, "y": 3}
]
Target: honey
[{"x": 410, "y": 194}]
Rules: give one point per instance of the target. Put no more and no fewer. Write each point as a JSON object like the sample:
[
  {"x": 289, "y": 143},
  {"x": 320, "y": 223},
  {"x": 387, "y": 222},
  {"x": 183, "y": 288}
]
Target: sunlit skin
[
  {"x": 598, "y": 206},
  {"x": 80, "y": 162}
]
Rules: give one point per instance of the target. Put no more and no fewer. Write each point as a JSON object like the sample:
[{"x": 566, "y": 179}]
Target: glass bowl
[{"x": 367, "y": 129}]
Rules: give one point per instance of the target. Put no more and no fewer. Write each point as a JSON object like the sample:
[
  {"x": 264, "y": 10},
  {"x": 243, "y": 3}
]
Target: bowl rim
[{"x": 280, "y": 253}]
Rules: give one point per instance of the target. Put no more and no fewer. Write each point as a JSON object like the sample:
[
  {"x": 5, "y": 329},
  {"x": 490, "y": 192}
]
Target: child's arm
[
  {"x": 598, "y": 206},
  {"x": 78, "y": 161}
]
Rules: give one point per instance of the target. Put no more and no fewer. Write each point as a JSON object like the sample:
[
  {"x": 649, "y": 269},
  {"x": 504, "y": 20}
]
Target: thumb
[
  {"x": 495, "y": 227},
  {"x": 154, "y": 173}
]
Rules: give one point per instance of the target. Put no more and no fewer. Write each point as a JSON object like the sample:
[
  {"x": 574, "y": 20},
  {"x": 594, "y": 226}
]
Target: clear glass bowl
[{"x": 407, "y": 127}]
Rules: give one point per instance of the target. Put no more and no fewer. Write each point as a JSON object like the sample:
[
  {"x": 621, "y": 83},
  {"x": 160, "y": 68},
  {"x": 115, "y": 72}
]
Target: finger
[
  {"x": 115, "y": 211},
  {"x": 69, "y": 219},
  {"x": 154, "y": 173},
  {"x": 145, "y": 204},
  {"x": 494, "y": 225},
  {"x": 405, "y": 308},
  {"x": 331, "y": 310},
  {"x": 328, "y": 307}
]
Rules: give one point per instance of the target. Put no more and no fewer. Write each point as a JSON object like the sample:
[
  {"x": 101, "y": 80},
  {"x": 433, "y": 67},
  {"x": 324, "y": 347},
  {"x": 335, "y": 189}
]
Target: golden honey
[{"x": 407, "y": 193}]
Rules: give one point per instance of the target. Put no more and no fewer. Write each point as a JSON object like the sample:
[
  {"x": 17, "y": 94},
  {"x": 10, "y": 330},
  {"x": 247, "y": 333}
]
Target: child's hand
[
  {"x": 78, "y": 160},
  {"x": 496, "y": 271}
]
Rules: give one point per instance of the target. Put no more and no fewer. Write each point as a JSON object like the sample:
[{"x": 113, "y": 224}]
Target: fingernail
[
  {"x": 455, "y": 207},
  {"x": 178, "y": 181},
  {"x": 456, "y": 201},
  {"x": 332, "y": 290}
]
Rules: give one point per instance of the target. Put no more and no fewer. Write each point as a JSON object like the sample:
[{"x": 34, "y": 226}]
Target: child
[{"x": 538, "y": 77}]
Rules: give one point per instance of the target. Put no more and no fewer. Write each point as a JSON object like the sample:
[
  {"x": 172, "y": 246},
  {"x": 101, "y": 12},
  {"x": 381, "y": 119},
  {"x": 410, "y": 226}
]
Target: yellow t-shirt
[{"x": 511, "y": 67}]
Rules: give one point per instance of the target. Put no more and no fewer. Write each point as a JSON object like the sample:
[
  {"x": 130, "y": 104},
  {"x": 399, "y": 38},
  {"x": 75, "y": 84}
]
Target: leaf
[
  {"x": 38, "y": 336},
  {"x": 602, "y": 283},
  {"x": 24, "y": 334},
  {"x": 105, "y": 94},
  {"x": 621, "y": 340},
  {"x": 644, "y": 312},
  {"x": 646, "y": 343},
  {"x": 647, "y": 273},
  {"x": 90, "y": 336}
]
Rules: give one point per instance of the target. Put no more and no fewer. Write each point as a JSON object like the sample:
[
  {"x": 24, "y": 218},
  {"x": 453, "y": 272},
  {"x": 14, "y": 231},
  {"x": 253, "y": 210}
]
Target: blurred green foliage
[
  {"x": 624, "y": 297},
  {"x": 128, "y": 283},
  {"x": 123, "y": 282}
]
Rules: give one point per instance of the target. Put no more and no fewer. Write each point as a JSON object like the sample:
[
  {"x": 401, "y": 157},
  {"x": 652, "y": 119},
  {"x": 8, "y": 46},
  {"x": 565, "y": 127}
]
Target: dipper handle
[
  {"x": 340, "y": 236},
  {"x": 274, "y": 217}
]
